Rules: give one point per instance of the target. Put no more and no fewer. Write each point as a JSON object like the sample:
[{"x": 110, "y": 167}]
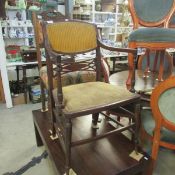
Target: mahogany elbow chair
[
  {"x": 72, "y": 37},
  {"x": 45, "y": 78},
  {"x": 37, "y": 18},
  {"x": 150, "y": 23}
]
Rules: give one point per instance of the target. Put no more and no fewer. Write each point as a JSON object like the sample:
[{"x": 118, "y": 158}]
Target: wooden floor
[{"x": 108, "y": 156}]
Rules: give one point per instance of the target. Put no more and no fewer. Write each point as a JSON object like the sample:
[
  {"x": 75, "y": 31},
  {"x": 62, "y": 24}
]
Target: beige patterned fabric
[
  {"x": 60, "y": 41},
  {"x": 69, "y": 78},
  {"x": 89, "y": 95}
]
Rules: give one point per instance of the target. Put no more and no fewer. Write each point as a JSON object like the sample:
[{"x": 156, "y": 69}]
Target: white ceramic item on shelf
[{"x": 22, "y": 4}]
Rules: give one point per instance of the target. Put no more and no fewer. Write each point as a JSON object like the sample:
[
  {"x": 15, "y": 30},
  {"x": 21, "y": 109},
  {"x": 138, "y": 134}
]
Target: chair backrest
[
  {"x": 37, "y": 18},
  {"x": 163, "y": 104},
  {"x": 70, "y": 37},
  {"x": 151, "y": 13}
]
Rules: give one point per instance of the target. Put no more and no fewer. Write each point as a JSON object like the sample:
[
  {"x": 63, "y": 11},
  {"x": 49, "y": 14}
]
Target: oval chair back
[
  {"x": 147, "y": 12},
  {"x": 163, "y": 104}
]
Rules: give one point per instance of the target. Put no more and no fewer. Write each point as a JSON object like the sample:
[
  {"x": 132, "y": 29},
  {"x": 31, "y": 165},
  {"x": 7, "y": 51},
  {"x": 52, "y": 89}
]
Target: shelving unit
[
  {"x": 15, "y": 31},
  {"x": 107, "y": 15}
]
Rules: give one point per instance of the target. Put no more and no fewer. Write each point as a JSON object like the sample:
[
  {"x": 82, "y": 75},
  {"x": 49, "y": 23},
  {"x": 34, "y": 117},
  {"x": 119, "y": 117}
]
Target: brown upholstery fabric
[
  {"x": 69, "y": 78},
  {"x": 2, "y": 9},
  {"x": 89, "y": 95}
]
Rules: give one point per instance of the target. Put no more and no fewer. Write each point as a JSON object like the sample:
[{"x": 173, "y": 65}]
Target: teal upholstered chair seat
[
  {"x": 152, "y": 35},
  {"x": 148, "y": 124}
]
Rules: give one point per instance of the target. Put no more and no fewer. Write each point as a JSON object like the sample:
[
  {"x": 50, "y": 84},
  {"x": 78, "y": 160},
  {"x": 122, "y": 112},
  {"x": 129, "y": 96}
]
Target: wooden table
[
  {"x": 108, "y": 156},
  {"x": 142, "y": 83},
  {"x": 117, "y": 58}
]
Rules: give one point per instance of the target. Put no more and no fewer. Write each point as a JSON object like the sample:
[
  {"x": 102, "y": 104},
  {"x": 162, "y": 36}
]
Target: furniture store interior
[{"x": 87, "y": 87}]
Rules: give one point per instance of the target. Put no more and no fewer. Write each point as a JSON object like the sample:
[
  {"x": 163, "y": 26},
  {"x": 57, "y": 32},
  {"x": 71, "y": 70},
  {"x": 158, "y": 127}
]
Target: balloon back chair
[
  {"x": 150, "y": 24},
  {"x": 69, "y": 37},
  {"x": 158, "y": 124}
]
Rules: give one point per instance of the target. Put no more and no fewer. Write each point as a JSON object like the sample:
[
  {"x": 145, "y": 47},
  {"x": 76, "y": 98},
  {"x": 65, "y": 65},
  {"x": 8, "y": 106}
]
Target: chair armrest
[{"x": 117, "y": 49}]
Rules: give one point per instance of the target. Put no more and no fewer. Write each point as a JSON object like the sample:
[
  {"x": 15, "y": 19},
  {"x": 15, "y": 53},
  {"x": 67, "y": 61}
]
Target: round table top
[{"x": 142, "y": 83}]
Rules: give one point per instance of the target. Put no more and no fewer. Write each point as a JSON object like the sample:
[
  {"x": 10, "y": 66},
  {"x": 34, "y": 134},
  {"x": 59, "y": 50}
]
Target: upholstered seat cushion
[
  {"x": 148, "y": 124},
  {"x": 152, "y": 35},
  {"x": 69, "y": 78},
  {"x": 93, "y": 94}
]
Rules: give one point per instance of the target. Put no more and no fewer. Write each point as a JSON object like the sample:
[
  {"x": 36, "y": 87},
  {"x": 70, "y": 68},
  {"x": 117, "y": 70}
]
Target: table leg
[
  {"x": 25, "y": 83},
  {"x": 39, "y": 141}
]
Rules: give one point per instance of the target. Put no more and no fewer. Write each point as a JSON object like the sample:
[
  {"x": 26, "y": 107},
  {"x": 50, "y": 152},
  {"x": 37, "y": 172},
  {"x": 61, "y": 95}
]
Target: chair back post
[
  {"x": 162, "y": 19},
  {"x": 98, "y": 64},
  {"x": 57, "y": 60},
  {"x": 48, "y": 58},
  {"x": 37, "y": 40}
]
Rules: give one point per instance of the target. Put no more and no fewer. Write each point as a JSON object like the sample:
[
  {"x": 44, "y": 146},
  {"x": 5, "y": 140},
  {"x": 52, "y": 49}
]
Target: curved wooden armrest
[{"x": 127, "y": 50}]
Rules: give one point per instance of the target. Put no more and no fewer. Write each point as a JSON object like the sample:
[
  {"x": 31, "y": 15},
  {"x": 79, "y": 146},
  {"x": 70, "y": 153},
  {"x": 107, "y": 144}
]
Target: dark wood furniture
[
  {"x": 24, "y": 69},
  {"x": 155, "y": 35},
  {"x": 37, "y": 17},
  {"x": 108, "y": 156},
  {"x": 119, "y": 60},
  {"x": 68, "y": 37}
]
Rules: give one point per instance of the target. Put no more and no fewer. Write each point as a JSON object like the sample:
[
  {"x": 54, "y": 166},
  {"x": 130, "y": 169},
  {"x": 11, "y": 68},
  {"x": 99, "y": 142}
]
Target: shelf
[
  {"x": 16, "y": 23},
  {"x": 104, "y": 13},
  {"x": 18, "y": 26},
  {"x": 14, "y": 8},
  {"x": 18, "y": 37}
]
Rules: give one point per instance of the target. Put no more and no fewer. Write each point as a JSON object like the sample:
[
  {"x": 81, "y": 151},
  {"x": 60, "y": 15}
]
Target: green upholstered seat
[
  {"x": 152, "y": 35},
  {"x": 93, "y": 94}
]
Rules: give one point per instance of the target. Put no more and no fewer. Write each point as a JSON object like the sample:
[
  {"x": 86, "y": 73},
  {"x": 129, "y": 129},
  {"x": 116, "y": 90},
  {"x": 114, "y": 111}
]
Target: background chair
[
  {"x": 154, "y": 17},
  {"x": 71, "y": 38},
  {"x": 152, "y": 63},
  {"x": 159, "y": 122}
]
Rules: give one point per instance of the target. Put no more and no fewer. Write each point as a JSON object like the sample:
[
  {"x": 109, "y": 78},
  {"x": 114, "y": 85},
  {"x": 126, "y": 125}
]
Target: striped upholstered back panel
[{"x": 72, "y": 37}]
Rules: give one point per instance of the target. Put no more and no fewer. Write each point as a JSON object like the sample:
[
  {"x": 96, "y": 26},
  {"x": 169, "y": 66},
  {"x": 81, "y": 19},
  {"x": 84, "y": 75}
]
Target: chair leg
[
  {"x": 161, "y": 67},
  {"x": 51, "y": 114},
  {"x": 68, "y": 137},
  {"x": 25, "y": 83},
  {"x": 155, "y": 61},
  {"x": 43, "y": 97},
  {"x": 131, "y": 68},
  {"x": 137, "y": 126},
  {"x": 95, "y": 120},
  {"x": 147, "y": 70},
  {"x": 155, "y": 149}
]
